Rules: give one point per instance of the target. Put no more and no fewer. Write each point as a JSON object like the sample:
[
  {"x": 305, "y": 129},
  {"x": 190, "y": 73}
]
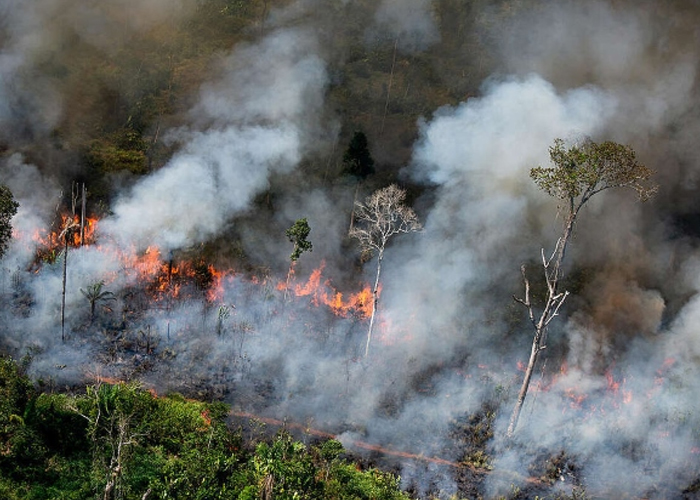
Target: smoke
[
  {"x": 410, "y": 24},
  {"x": 255, "y": 130},
  {"x": 32, "y": 96},
  {"x": 614, "y": 392},
  {"x": 477, "y": 156}
]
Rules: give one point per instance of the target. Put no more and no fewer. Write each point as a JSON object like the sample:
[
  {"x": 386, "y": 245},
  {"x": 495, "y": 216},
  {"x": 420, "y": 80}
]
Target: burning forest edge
[
  {"x": 159, "y": 161},
  {"x": 153, "y": 290}
]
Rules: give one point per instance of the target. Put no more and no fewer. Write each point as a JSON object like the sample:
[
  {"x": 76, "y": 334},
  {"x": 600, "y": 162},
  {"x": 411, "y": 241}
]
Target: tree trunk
[
  {"x": 534, "y": 353},
  {"x": 63, "y": 291},
  {"x": 93, "y": 305},
  {"x": 375, "y": 301},
  {"x": 555, "y": 299},
  {"x": 388, "y": 90},
  {"x": 290, "y": 273},
  {"x": 82, "y": 217}
]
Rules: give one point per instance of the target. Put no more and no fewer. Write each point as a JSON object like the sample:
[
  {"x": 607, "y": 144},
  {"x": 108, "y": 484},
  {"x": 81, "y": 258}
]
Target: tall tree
[
  {"x": 358, "y": 164},
  {"x": 299, "y": 235},
  {"x": 357, "y": 159},
  {"x": 578, "y": 172},
  {"x": 70, "y": 226},
  {"x": 8, "y": 209},
  {"x": 382, "y": 216}
]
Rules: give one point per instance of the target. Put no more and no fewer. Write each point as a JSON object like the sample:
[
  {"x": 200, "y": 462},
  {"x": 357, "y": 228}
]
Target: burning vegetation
[{"x": 157, "y": 161}]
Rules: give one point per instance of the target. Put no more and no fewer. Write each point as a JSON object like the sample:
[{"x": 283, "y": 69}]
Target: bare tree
[
  {"x": 382, "y": 216},
  {"x": 111, "y": 412},
  {"x": 69, "y": 229},
  {"x": 577, "y": 173}
]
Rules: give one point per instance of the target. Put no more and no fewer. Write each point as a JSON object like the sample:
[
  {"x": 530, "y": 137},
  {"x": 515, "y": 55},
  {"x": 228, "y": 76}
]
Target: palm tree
[{"x": 95, "y": 294}]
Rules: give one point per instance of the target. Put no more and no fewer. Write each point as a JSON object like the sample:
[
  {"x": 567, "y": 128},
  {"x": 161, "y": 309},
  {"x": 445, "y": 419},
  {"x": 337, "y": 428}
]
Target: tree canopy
[
  {"x": 383, "y": 215},
  {"x": 121, "y": 441},
  {"x": 357, "y": 160},
  {"x": 577, "y": 173},
  {"x": 299, "y": 234},
  {"x": 580, "y": 171}
]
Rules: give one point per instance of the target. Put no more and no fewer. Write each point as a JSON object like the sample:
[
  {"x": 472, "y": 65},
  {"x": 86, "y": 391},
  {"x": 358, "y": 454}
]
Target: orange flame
[
  {"x": 165, "y": 278},
  {"x": 52, "y": 240},
  {"x": 216, "y": 288},
  {"x": 323, "y": 293}
]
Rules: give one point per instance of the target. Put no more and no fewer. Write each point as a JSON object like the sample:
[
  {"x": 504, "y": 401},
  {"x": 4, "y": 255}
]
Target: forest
[{"x": 350, "y": 249}]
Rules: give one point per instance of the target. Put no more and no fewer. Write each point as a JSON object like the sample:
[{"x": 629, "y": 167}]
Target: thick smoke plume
[
  {"x": 615, "y": 393},
  {"x": 255, "y": 111}
]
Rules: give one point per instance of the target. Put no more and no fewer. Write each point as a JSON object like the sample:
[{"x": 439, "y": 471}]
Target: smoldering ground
[{"x": 616, "y": 390}]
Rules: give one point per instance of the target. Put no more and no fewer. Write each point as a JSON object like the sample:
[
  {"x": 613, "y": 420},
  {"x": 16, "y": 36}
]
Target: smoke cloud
[
  {"x": 255, "y": 111},
  {"x": 410, "y": 23},
  {"x": 614, "y": 393}
]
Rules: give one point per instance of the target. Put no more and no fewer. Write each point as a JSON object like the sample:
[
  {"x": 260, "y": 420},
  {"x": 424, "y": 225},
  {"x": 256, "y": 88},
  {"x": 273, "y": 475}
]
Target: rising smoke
[{"x": 450, "y": 335}]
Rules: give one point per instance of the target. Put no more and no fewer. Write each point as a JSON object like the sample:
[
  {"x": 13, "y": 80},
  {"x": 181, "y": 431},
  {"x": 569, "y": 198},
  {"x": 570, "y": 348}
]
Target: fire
[
  {"x": 576, "y": 399},
  {"x": 50, "y": 243},
  {"x": 660, "y": 379},
  {"x": 610, "y": 395},
  {"x": 216, "y": 288},
  {"x": 323, "y": 293},
  {"x": 617, "y": 389},
  {"x": 77, "y": 236},
  {"x": 163, "y": 277},
  {"x": 146, "y": 265}
]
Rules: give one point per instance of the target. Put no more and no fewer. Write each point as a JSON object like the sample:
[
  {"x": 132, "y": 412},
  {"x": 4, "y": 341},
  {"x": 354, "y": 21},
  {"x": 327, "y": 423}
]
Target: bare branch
[
  {"x": 578, "y": 173},
  {"x": 379, "y": 218}
]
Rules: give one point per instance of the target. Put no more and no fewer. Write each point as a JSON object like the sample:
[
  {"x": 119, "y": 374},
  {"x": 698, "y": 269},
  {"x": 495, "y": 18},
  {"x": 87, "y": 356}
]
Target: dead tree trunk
[
  {"x": 66, "y": 234},
  {"x": 555, "y": 299},
  {"x": 578, "y": 173},
  {"x": 82, "y": 216},
  {"x": 375, "y": 301},
  {"x": 63, "y": 289}
]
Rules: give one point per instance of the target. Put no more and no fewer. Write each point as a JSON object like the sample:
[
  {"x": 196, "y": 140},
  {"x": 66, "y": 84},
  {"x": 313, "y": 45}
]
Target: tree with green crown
[{"x": 578, "y": 172}]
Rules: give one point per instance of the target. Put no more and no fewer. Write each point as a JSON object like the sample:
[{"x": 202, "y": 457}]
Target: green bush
[{"x": 122, "y": 438}]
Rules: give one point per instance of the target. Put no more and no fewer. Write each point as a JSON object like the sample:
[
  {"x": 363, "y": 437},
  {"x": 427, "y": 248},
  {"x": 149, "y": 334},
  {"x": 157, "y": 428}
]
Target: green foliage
[
  {"x": 126, "y": 441},
  {"x": 8, "y": 209},
  {"x": 284, "y": 470},
  {"x": 19, "y": 445},
  {"x": 357, "y": 160},
  {"x": 580, "y": 171},
  {"x": 123, "y": 150},
  {"x": 96, "y": 294},
  {"x": 475, "y": 431},
  {"x": 298, "y": 234},
  {"x": 349, "y": 483}
]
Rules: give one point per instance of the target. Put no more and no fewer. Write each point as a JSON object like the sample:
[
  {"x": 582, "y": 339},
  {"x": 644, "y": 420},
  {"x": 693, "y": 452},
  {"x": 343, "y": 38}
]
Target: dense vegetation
[{"x": 121, "y": 441}]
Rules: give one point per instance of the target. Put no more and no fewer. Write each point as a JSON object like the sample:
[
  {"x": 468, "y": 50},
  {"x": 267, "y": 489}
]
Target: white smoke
[
  {"x": 483, "y": 222},
  {"x": 257, "y": 114},
  {"x": 411, "y": 23},
  {"x": 449, "y": 334}
]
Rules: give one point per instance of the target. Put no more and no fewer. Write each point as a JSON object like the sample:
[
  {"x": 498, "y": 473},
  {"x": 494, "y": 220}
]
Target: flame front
[
  {"x": 358, "y": 305},
  {"x": 166, "y": 278}
]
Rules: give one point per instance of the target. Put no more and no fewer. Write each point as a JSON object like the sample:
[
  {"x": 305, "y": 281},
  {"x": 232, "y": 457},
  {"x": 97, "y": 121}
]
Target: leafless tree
[
  {"x": 577, "y": 173},
  {"x": 382, "y": 216},
  {"x": 69, "y": 228}
]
